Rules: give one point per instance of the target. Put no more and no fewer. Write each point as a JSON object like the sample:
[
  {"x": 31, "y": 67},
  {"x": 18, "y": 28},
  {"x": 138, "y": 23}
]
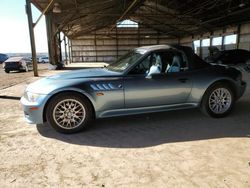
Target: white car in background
[
  {"x": 43, "y": 60},
  {"x": 17, "y": 64}
]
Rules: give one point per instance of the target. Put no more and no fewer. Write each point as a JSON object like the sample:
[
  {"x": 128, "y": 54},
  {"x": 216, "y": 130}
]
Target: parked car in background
[
  {"x": 17, "y": 64},
  {"x": 43, "y": 60},
  {"x": 37, "y": 59},
  {"x": 146, "y": 79},
  {"x": 238, "y": 57},
  {"x": 3, "y": 57}
]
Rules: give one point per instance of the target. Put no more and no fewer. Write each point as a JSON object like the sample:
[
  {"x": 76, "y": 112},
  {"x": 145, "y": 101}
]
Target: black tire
[
  {"x": 75, "y": 97},
  {"x": 7, "y": 71},
  {"x": 206, "y": 108}
]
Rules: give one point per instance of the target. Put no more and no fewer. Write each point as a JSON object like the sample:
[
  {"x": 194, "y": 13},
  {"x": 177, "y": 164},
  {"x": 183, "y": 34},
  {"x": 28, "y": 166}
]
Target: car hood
[
  {"x": 68, "y": 79},
  {"x": 84, "y": 73}
]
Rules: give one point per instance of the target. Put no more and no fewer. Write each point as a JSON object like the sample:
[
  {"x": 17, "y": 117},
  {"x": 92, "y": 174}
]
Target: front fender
[{"x": 57, "y": 91}]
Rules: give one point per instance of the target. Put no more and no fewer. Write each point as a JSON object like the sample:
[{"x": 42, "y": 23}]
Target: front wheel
[
  {"x": 218, "y": 101},
  {"x": 69, "y": 113}
]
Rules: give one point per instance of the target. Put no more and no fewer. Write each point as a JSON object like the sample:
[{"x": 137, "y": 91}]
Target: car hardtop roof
[
  {"x": 233, "y": 50},
  {"x": 11, "y": 59},
  {"x": 190, "y": 55},
  {"x": 160, "y": 47},
  {"x": 153, "y": 47}
]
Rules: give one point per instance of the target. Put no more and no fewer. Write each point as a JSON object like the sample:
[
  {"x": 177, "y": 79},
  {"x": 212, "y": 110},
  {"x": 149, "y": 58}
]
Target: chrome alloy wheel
[
  {"x": 69, "y": 114},
  {"x": 220, "y": 100}
]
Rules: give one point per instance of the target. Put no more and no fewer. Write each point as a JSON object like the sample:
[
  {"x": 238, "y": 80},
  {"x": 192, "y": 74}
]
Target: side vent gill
[{"x": 103, "y": 87}]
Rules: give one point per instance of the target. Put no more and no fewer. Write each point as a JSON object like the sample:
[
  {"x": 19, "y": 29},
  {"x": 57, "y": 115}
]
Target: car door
[{"x": 164, "y": 88}]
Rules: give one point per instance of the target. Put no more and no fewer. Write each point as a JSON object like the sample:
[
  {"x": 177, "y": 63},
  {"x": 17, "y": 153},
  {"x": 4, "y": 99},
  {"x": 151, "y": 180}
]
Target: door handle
[{"x": 183, "y": 80}]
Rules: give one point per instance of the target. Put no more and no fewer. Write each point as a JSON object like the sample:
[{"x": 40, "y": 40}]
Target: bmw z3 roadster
[{"x": 146, "y": 79}]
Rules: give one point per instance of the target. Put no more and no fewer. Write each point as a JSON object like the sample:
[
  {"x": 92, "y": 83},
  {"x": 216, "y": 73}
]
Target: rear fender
[{"x": 199, "y": 89}]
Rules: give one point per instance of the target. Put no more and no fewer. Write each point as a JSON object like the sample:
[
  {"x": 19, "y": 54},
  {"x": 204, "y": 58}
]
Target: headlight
[{"x": 31, "y": 97}]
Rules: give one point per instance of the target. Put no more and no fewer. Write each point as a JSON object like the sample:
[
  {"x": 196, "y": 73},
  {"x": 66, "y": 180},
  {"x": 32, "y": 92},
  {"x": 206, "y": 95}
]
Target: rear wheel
[
  {"x": 7, "y": 71},
  {"x": 69, "y": 113},
  {"x": 218, "y": 100}
]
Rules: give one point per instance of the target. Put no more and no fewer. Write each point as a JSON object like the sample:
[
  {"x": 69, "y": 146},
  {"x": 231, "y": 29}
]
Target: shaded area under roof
[{"x": 176, "y": 18}]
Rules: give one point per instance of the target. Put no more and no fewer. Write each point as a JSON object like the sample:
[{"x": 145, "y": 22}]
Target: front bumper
[{"x": 33, "y": 111}]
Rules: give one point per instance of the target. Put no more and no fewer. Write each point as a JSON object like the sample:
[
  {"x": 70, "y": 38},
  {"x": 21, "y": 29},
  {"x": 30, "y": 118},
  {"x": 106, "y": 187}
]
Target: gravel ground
[{"x": 170, "y": 149}]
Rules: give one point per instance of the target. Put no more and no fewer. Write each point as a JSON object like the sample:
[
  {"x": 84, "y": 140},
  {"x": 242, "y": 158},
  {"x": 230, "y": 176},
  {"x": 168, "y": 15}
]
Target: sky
[{"x": 14, "y": 31}]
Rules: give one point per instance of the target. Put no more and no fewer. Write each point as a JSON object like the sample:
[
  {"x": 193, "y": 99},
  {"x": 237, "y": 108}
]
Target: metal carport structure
[{"x": 176, "y": 21}]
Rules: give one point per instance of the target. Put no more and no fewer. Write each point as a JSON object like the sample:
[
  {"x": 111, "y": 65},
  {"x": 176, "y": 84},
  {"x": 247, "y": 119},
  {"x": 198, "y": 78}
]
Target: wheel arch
[
  {"x": 230, "y": 83},
  {"x": 81, "y": 93}
]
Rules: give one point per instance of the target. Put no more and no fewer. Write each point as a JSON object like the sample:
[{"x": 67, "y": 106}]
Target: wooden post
[{"x": 32, "y": 36}]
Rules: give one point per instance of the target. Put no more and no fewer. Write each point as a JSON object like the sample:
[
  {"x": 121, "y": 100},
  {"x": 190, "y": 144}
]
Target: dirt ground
[
  {"x": 170, "y": 149},
  {"x": 13, "y": 78}
]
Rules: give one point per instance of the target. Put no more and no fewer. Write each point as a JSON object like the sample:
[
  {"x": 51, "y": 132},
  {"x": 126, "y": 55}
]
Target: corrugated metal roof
[{"x": 174, "y": 17}]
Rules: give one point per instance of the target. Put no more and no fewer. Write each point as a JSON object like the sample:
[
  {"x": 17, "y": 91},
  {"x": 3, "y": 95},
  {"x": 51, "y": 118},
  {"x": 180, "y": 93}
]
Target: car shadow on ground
[{"x": 158, "y": 128}]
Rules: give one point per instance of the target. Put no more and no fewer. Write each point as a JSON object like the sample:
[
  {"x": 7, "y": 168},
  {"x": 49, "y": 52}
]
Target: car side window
[
  {"x": 167, "y": 61},
  {"x": 175, "y": 62}
]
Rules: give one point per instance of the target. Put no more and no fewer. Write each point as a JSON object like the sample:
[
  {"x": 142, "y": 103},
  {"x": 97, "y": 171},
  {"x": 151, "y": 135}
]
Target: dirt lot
[
  {"x": 170, "y": 149},
  {"x": 14, "y": 78}
]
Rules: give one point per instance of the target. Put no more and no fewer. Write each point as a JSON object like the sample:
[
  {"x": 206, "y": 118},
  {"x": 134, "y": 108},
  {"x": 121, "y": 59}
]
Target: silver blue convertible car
[{"x": 146, "y": 79}]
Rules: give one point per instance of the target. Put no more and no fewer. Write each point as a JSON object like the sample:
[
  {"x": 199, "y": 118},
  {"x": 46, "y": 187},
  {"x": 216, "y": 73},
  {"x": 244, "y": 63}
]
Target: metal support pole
[
  {"x": 211, "y": 39},
  {"x": 95, "y": 48},
  {"x": 193, "y": 43},
  {"x": 138, "y": 34},
  {"x": 65, "y": 47},
  {"x": 32, "y": 36},
  {"x": 238, "y": 36},
  {"x": 70, "y": 60},
  {"x": 201, "y": 47},
  {"x": 157, "y": 38},
  {"x": 60, "y": 46},
  {"x": 223, "y": 40},
  {"x": 117, "y": 45},
  {"x": 71, "y": 51}
]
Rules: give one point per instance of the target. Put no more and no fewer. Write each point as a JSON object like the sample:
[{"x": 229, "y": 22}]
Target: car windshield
[{"x": 126, "y": 61}]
